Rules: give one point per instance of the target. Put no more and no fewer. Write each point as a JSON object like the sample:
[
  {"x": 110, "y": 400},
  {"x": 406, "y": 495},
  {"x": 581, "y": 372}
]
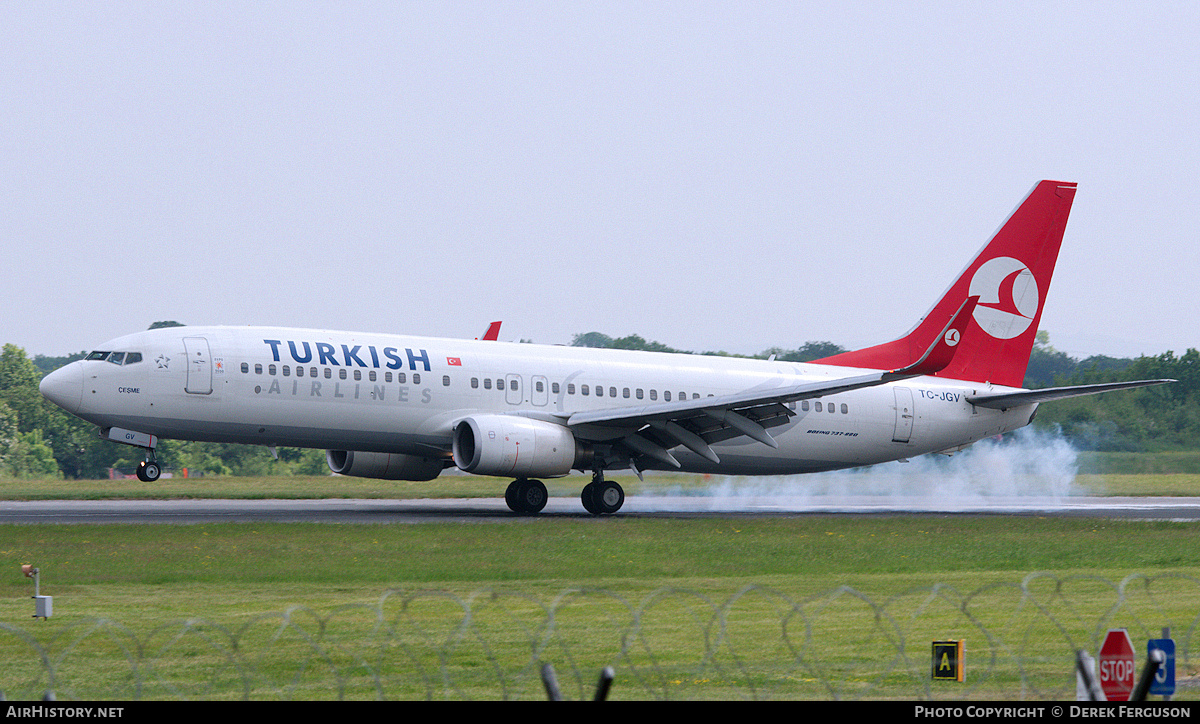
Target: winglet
[
  {"x": 941, "y": 352},
  {"x": 493, "y": 332}
]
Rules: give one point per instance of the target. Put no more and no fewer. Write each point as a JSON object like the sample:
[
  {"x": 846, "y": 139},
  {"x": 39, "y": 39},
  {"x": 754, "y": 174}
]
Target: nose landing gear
[{"x": 148, "y": 470}]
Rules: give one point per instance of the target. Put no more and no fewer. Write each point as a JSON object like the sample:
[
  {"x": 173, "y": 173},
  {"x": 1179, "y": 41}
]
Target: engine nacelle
[
  {"x": 387, "y": 466},
  {"x": 509, "y": 445}
]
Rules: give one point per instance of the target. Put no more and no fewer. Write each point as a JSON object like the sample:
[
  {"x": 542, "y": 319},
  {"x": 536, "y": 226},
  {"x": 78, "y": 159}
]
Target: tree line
[{"x": 38, "y": 439}]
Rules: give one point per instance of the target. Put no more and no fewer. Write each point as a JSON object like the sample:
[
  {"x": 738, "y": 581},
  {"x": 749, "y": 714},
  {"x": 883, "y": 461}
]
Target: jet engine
[
  {"x": 518, "y": 446},
  {"x": 388, "y": 466}
]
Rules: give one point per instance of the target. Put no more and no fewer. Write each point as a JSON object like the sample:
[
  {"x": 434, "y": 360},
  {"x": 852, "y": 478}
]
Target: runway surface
[{"x": 487, "y": 510}]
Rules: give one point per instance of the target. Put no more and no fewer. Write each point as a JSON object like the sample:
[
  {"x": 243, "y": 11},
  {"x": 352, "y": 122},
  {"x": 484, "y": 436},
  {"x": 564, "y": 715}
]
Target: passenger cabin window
[
  {"x": 445, "y": 380},
  {"x": 245, "y": 368}
]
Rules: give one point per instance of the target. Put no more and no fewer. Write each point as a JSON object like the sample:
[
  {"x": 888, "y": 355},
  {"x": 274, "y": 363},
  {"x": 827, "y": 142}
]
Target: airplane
[{"x": 407, "y": 408}]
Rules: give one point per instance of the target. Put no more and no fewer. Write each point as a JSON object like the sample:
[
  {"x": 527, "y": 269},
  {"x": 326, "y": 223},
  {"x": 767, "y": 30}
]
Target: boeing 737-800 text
[{"x": 406, "y": 408}]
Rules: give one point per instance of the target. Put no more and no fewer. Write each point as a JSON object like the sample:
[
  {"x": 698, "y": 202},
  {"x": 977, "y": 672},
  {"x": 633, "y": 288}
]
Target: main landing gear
[
  {"x": 526, "y": 496},
  {"x": 599, "y": 497},
  {"x": 602, "y": 497}
]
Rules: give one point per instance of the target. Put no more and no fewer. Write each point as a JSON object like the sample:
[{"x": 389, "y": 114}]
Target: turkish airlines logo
[
  {"x": 952, "y": 338},
  {"x": 1008, "y": 297}
]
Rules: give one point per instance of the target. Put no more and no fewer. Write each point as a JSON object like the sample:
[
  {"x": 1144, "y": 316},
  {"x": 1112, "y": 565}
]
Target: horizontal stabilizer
[{"x": 1003, "y": 401}]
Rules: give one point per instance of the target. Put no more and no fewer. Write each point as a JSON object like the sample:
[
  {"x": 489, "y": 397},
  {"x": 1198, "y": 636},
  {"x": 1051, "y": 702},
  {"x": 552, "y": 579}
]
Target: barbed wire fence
[{"x": 672, "y": 643}]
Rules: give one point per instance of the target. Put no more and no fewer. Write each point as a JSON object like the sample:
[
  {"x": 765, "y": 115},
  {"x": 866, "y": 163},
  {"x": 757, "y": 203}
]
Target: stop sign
[{"x": 1116, "y": 665}]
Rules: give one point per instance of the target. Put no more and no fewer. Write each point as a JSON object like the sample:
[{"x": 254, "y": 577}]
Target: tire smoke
[{"x": 1029, "y": 467}]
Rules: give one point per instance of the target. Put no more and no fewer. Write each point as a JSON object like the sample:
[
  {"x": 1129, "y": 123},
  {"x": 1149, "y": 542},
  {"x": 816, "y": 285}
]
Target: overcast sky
[{"x": 727, "y": 176}]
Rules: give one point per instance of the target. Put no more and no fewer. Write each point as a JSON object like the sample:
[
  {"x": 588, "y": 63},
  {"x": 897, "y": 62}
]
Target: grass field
[
  {"x": 814, "y": 606},
  {"x": 474, "y": 600}
]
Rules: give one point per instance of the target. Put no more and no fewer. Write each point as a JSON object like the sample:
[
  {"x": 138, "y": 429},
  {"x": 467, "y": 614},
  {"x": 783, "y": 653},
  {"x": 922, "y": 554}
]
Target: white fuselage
[{"x": 400, "y": 394}]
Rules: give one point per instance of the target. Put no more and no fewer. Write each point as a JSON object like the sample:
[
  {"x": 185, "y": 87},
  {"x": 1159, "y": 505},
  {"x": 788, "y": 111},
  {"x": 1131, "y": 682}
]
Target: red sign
[
  {"x": 1116, "y": 665},
  {"x": 454, "y": 361}
]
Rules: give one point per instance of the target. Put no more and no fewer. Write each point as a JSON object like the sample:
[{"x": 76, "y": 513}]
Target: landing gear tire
[
  {"x": 588, "y": 498},
  {"x": 148, "y": 471},
  {"x": 527, "y": 497},
  {"x": 602, "y": 497}
]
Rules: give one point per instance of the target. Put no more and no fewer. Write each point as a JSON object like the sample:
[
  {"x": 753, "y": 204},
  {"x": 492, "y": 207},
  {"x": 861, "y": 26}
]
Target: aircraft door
[
  {"x": 199, "y": 366},
  {"x": 904, "y": 414},
  {"x": 512, "y": 389}
]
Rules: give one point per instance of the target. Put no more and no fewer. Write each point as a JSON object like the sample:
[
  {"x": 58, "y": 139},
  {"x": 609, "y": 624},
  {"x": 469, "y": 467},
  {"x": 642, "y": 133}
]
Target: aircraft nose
[{"x": 64, "y": 387}]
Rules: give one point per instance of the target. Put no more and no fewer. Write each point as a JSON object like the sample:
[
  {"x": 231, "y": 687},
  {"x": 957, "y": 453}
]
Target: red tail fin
[{"x": 1011, "y": 277}]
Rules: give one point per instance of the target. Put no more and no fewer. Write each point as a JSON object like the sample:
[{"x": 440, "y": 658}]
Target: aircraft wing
[
  {"x": 1005, "y": 400},
  {"x": 653, "y": 429}
]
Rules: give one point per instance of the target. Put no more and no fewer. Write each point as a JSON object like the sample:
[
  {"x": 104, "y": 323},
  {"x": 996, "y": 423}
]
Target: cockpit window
[{"x": 117, "y": 358}]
